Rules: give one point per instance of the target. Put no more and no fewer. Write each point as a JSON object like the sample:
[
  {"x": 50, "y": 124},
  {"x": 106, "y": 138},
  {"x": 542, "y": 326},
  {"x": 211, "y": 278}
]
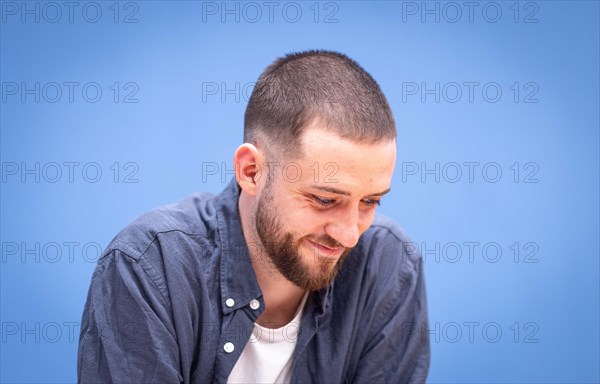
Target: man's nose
[{"x": 344, "y": 228}]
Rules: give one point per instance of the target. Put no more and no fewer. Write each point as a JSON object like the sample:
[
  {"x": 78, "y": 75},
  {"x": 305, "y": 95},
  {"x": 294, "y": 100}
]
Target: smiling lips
[{"x": 326, "y": 251}]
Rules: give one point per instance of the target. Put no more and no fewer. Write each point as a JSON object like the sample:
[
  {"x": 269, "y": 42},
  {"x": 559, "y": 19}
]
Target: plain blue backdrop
[{"x": 110, "y": 109}]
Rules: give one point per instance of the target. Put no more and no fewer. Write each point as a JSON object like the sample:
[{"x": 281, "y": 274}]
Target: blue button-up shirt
[{"x": 174, "y": 288}]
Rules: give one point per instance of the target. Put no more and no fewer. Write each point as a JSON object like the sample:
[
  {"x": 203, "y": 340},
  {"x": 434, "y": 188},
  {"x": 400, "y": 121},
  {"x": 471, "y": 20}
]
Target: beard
[{"x": 285, "y": 253}]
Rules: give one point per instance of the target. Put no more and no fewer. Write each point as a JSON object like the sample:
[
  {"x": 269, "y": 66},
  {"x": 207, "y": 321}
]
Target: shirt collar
[{"x": 238, "y": 280}]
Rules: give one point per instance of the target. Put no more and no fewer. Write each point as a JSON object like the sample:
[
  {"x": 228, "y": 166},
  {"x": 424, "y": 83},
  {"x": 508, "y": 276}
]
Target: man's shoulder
[
  {"x": 386, "y": 225},
  {"x": 386, "y": 229},
  {"x": 193, "y": 216},
  {"x": 381, "y": 272},
  {"x": 387, "y": 245}
]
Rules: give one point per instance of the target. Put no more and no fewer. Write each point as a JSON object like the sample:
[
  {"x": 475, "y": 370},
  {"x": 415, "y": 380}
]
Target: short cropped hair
[{"x": 320, "y": 87}]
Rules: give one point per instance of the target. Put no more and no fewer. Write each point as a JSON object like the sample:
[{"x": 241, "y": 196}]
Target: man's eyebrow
[
  {"x": 381, "y": 193},
  {"x": 345, "y": 193}
]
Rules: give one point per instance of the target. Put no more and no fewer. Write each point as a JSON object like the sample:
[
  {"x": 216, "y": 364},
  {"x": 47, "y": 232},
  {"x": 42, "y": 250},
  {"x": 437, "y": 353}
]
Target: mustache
[{"x": 327, "y": 241}]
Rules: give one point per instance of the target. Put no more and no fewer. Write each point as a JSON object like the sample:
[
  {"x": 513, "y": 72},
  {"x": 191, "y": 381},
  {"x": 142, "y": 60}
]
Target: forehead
[{"x": 346, "y": 162}]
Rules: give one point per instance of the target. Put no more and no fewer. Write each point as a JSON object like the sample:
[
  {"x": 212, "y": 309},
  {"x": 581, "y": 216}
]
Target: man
[{"x": 287, "y": 275}]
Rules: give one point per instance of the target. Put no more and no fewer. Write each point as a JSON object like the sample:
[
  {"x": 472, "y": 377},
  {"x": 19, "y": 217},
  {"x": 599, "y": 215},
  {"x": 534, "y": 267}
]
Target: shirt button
[
  {"x": 228, "y": 347},
  {"x": 230, "y": 302},
  {"x": 254, "y": 304}
]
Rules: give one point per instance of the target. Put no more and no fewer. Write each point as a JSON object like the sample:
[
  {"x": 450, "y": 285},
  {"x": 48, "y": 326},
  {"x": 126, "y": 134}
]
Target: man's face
[{"x": 312, "y": 211}]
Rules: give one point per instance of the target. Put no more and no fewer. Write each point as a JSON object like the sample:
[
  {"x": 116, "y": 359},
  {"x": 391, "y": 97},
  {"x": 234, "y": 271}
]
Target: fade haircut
[{"x": 316, "y": 87}]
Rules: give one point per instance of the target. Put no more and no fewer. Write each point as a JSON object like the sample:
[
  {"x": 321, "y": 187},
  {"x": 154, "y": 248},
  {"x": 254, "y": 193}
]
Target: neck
[{"x": 281, "y": 297}]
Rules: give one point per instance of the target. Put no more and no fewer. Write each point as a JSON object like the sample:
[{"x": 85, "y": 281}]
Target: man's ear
[{"x": 247, "y": 162}]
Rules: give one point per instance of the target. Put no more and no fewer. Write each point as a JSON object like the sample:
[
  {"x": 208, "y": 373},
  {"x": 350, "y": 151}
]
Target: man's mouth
[{"x": 323, "y": 250}]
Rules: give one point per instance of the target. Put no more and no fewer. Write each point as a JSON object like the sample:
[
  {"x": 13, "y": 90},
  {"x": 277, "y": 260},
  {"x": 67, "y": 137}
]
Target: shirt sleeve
[
  {"x": 127, "y": 333},
  {"x": 398, "y": 350}
]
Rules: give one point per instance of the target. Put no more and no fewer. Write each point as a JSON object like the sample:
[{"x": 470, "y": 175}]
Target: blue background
[{"x": 511, "y": 259}]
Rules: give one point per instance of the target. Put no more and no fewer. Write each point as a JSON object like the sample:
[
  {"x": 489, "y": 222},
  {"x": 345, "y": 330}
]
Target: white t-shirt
[{"x": 267, "y": 357}]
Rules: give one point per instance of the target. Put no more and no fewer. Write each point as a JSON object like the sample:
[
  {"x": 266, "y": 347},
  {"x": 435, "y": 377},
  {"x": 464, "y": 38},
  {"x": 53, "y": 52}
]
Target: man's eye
[
  {"x": 322, "y": 201},
  {"x": 372, "y": 202}
]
